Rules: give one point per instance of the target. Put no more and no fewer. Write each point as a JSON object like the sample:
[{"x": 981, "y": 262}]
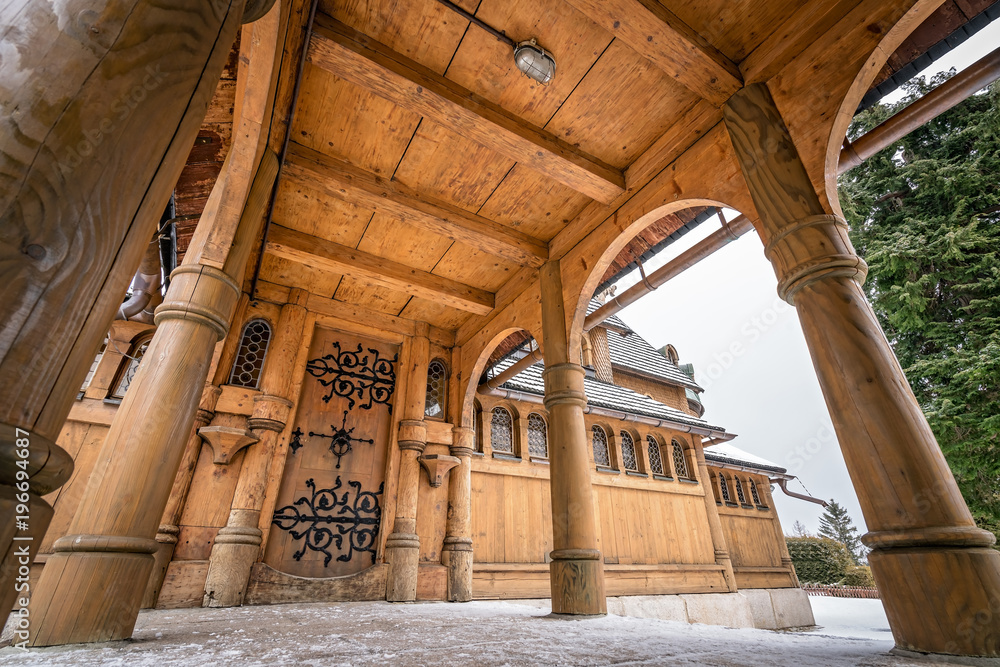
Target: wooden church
[{"x": 361, "y": 358}]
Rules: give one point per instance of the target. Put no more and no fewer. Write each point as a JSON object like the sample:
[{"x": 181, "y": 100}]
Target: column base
[
  {"x": 166, "y": 539},
  {"x": 234, "y": 552},
  {"x": 945, "y": 600},
  {"x": 577, "y": 577},
  {"x": 89, "y": 596},
  {"x": 456, "y": 555},
  {"x": 402, "y": 554}
]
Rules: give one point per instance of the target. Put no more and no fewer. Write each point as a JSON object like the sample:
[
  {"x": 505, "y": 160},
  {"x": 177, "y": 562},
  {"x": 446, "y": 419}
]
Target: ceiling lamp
[{"x": 534, "y": 62}]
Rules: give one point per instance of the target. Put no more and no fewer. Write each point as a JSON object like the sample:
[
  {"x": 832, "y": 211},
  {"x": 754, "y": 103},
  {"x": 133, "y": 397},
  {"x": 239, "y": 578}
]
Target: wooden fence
[{"x": 841, "y": 591}]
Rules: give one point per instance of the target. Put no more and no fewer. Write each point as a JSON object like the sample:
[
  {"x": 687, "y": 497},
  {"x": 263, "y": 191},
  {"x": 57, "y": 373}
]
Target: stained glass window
[
  {"x": 739, "y": 490},
  {"x": 131, "y": 361},
  {"x": 755, "y": 494},
  {"x": 628, "y": 452},
  {"x": 602, "y": 456},
  {"x": 538, "y": 444},
  {"x": 502, "y": 431},
  {"x": 437, "y": 389},
  {"x": 655, "y": 461},
  {"x": 680, "y": 463},
  {"x": 724, "y": 488},
  {"x": 250, "y": 358}
]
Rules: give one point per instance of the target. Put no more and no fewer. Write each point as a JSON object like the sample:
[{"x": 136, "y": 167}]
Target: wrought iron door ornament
[
  {"x": 315, "y": 520},
  {"x": 351, "y": 375},
  {"x": 341, "y": 439}
]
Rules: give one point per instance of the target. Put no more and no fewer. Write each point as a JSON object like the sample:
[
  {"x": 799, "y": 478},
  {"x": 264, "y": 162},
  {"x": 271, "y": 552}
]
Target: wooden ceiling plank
[
  {"x": 312, "y": 251},
  {"x": 343, "y": 180},
  {"x": 656, "y": 33},
  {"x": 353, "y": 56}
]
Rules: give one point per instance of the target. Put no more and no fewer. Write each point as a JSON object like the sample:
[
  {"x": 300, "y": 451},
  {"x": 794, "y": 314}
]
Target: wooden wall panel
[
  {"x": 432, "y": 512},
  {"x": 511, "y": 519},
  {"x": 751, "y": 537}
]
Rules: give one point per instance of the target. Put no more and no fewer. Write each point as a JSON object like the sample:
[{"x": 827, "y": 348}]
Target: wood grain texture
[
  {"x": 357, "y": 58},
  {"x": 292, "y": 245},
  {"x": 340, "y": 179}
]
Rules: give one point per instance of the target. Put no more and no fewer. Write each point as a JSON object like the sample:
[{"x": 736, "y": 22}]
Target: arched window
[
  {"x": 250, "y": 357},
  {"x": 130, "y": 364},
  {"x": 740, "y": 494},
  {"x": 755, "y": 494},
  {"x": 680, "y": 463},
  {"x": 724, "y": 488},
  {"x": 538, "y": 444},
  {"x": 655, "y": 460},
  {"x": 629, "y": 461},
  {"x": 477, "y": 419},
  {"x": 502, "y": 431},
  {"x": 602, "y": 456},
  {"x": 437, "y": 390}
]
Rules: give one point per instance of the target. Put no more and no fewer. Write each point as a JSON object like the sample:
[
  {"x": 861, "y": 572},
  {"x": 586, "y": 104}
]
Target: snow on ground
[{"x": 475, "y": 633}]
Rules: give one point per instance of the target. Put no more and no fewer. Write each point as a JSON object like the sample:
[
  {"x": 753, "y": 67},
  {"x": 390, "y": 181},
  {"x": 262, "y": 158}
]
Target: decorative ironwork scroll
[
  {"x": 327, "y": 518},
  {"x": 341, "y": 439},
  {"x": 370, "y": 378},
  {"x": 296, "y": 440}
]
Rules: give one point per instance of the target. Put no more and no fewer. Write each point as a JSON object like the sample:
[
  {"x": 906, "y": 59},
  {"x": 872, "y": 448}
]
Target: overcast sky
[{"x": 750, "y": 356}]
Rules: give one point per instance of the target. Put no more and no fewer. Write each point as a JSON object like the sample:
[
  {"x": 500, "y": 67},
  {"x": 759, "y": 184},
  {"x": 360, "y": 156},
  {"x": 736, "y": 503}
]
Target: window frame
[
  {"x": 138, "y": 346},
  {"x": 545, "y": 437},
  {"x": 239, "y": 351},
  {"x": 446, "y": 378},
  {"x": 501, "y": 454}
]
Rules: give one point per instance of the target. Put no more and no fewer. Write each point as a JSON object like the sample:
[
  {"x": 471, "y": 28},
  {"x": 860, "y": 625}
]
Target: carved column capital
[
  {"x": 270, "y": 413},
  {"x": 564, "y": 385},
  {"x": 201, "y": 294},
  {"x": 462, "y": 441},
  {"x": 812, "y": 249},
  {"x": 412, "y": 435}
]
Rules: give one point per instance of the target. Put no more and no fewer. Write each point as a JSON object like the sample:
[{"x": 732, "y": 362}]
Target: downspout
[
  {"x": 145, "y": 284},
  {"x": 783, "y": 481}
]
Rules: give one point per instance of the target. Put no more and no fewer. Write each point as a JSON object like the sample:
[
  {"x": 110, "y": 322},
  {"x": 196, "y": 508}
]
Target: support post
[
  {"x": 96, "y": 120},
  {"x": 402, "y": 547},
  {"x": 166, "y": 534},
  {"x": 714, "y": 522},
  {"x": 576, "y": 571},
  {"x": 456, "y": 554},
  {"x": 939, "y": 578},
  {"x": 237, "y": 545}
]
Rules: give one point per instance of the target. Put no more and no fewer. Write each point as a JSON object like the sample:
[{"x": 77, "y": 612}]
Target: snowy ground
[{"x": 855, "y": 632}]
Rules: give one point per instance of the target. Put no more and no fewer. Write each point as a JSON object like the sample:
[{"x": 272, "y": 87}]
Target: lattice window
[
  {"x": 131, "y": 365},
  {"x": 739, "y": 490},
  {"x": 755, "y": 494},
  {"x": 680, "y": 463},
  {"x": 93, "y": 367},
  {"x": 602, "y": 455},
  {"x": 437, "y": 389},
  {"x": 655, "y": 461},
  {"x": 502, "y": 431},
  {"x": 629, "y": 461},
  {"x": 724, "y": 488},
  {"x": 250, "y": 358},
  {"x": 538, "y": 444}
]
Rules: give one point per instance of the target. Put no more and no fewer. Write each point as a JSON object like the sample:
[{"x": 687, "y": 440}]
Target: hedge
[{"x": 819, "y": 560}]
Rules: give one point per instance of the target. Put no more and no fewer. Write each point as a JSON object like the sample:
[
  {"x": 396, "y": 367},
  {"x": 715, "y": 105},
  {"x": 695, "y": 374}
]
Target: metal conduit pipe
[
  {"x": 957, "y": 89},
  {"x": 699, "y": 251},
  {"x": 514, "y": 395},
  {"x": 782, "y": 483},
  {"x": 533, "y": 357},
  {"x": 145, "y": 284}
]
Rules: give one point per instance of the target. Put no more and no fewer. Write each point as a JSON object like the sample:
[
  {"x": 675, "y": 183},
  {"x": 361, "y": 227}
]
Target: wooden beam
[
  {"x": 655, "y": 32},
  {"x": 343, "y": 180},
  {"x": 316, "y": 252},
  {"x": 353, "y": 56}
]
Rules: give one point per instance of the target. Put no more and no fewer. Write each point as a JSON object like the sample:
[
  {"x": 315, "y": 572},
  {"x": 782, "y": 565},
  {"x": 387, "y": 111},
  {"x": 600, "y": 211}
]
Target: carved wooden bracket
[
  {"x": 226, "y": 441},
  {"x": 437, "y": 466}
]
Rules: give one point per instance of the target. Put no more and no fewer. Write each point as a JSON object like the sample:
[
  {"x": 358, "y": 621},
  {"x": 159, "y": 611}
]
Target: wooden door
[{"x": 329, "y": 509}]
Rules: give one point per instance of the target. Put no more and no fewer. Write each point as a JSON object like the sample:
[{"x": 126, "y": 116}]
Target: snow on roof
[
  {"x": 728, "y": 453},
  {"x": 601, "y": 394},
  {"x": 632, "y": 352}
]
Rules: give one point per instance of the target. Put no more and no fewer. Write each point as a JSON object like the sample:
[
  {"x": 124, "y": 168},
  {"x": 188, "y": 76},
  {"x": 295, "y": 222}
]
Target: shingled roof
[
  {"x": 602, "y": 394},
  {"x": 630, "y": 352},
  {"x": 728, "y": 454}
]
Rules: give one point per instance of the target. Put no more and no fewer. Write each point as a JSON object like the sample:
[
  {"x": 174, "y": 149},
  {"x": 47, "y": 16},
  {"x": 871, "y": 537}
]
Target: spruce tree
[
  {"x": 925, "y": 215},
  {"x": 837, "y": 525}
]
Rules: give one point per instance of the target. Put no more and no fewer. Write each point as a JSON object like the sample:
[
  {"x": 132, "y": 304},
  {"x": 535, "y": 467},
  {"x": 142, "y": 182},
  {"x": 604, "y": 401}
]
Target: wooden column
[
  {"x": 166, "y": 534},
  {"x": 714, "y": 522},
  {"x": 456, "y": 553},
  {"x": 576, "y": 571},
  {"x": 98, "y": 111},
  {"x": 939, "y": 578},
  {"x": 402, "y": 547},
  {"x": 237, "y": 545}
]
